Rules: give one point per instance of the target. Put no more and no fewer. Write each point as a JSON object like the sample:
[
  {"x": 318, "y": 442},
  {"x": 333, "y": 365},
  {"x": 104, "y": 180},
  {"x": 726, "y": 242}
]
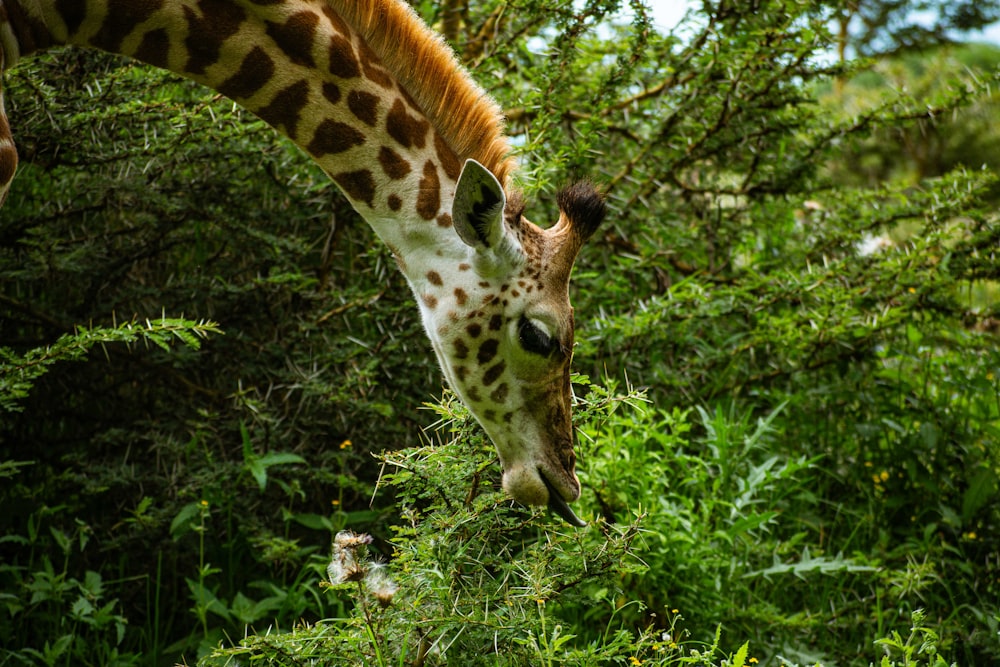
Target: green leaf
[
  {"x": 206, "y": 599},
  {"x": 242, "y": 608},
  {"x": 740, "y": 659},
  {"x": 93, "y": 584},
  {"x": 184, "y": 520},
  {"x": 81, "y": 608},
  {"x": 62, "y": 539},
  {"x": 258, "y": 471},
  {"x": 982, "y": 488},
  {"x": 280, "y": 458},
  {"x": 313, "y": 521}
]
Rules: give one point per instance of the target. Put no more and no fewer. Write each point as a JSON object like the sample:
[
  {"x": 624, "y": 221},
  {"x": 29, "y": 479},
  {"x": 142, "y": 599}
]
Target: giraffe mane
[{"x": 468, "y": 119}]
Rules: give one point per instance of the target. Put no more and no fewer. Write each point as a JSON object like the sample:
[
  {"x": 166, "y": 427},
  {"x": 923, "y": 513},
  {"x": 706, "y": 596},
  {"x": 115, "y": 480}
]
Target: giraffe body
[{"x": 381, "y": 105}]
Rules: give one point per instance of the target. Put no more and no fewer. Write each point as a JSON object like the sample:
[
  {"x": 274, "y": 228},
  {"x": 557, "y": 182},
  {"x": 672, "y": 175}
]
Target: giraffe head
[{"x": 501, "y": 324}]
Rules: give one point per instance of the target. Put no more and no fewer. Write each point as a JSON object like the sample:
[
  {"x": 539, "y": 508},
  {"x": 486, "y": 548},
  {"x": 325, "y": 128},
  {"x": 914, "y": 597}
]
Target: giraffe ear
[{"x": 477, "y": 211}]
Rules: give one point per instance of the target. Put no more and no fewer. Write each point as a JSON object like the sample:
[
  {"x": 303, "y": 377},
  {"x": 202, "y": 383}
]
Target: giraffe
[{"x": 380, "y": 103}]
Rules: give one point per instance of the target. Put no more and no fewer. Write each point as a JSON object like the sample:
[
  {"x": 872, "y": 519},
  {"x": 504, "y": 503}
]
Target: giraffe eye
[{"x": 533, "y": 338}]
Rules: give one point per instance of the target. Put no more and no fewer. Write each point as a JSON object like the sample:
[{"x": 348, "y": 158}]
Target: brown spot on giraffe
[
  {"x": 394, "y": 203},
  {"x": 444, "y": 220},
  {"x": 331, "y": 92},
  {"x": 372, "y": 67},
  {"x": 154, "y": 48},
  {"x": 334, "y": 137},
  {"x": 123, "y": 16},
  {"x": 429, "y": 193},
  {"x": 335, "y": 20},
  {"x": 429, "y": 300},
  {"x": 461, "y": 372},
  {"x": 460, "y": 296},
  {"x": 474, "y": 330},
  {"x": 286, "y": 107},
  {"x": 256, "y": 69},
  {"x": 449, "y": 161},
  {"x": 393, "y": 164},
  {"x": 409, "y": 131},
  {"x": 73, "y": 12},
  {"x": 499, "y": 394},
  {"x": 219, "y": 20},
  {"x": 487, "y": 351},
  {"x": 343, "y": 62},
  {"x": 496, "y": 322},
  {"x": 461, "y": 349},
  {"x": 358, "y": 185},
  {"x": 434, "y": 278},
  {"x": 464, "y": 266},
  {"x": 494, "y": 372},
  {"x": 364, "y": 106},
  {"x": 409, "y": 98},
  {"x": 472, "y": 391},
  {"x": 295, "y": 37}
]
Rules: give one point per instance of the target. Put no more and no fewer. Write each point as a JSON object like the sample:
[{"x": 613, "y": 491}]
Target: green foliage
[
  {"x": 476, "y": 580},
  {"x": 18, "y": 372},
  {"x": 801, "y": 280},
  {"x": 80, "y": 625},
  {"x": 955, "y": 88}
]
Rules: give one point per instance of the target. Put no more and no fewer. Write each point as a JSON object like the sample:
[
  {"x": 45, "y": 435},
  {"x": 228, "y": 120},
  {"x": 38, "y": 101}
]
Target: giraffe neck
[{"x": 361, "y": 85}]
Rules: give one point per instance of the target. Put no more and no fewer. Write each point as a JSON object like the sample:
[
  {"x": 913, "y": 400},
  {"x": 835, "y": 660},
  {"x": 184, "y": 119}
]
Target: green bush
[{"x": 469, "y": 578}]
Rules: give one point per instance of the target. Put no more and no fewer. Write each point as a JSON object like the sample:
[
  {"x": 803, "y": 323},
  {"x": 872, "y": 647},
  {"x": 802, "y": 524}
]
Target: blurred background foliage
[{"x": 799, "y": 271}]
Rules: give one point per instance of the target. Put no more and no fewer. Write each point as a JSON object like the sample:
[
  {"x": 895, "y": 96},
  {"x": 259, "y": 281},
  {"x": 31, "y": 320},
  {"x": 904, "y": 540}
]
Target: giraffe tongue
[{"x": 559, "y": 506}]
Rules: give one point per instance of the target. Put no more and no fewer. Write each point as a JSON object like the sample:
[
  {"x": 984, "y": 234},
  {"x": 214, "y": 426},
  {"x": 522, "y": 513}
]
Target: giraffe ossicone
[{"x": 380, "y": 103}]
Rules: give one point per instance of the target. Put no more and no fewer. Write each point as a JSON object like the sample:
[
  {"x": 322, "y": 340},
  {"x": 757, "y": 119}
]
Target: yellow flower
[
  {"x": 346, "y": 443},
  {"x": 912, "y": 290},
  {"x": 884, "y": 475},
  {"x": 971, "y": 535},
  {"x": 634, "y": 660},
  {"x": 204, "y": 503},
  {"x": 754, "y": 661},
  {"x": 335, "y": 502},
  {"x": 868, "y": 464}
]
